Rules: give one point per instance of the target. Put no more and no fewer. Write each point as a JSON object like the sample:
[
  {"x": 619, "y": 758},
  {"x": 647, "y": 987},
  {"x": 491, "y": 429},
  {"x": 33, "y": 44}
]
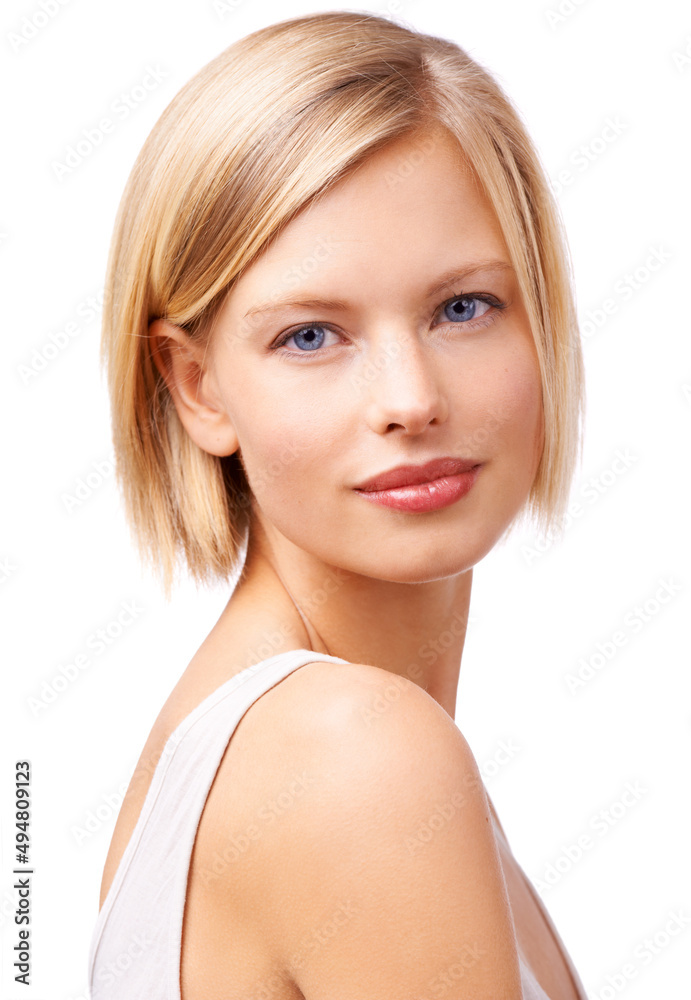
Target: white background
[{"x": 538, "y": 607}]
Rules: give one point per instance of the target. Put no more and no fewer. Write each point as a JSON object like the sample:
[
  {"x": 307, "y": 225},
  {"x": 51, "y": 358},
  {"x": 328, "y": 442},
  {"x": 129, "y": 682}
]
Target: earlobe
[{"x": 191, "y": 383}]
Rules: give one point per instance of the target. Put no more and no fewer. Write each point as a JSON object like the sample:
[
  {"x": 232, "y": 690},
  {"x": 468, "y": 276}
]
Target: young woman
[{"x": 343, "y": 356}]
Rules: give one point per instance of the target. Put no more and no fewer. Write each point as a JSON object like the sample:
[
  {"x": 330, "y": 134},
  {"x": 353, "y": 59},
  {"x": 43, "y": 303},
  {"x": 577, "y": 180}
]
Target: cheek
[
  {"x": 283, "y": 447},
  {"x": 515, "y": 416},
  {"x": 523, "y": 400}
]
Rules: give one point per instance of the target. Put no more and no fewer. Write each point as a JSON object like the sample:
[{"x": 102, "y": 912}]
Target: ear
[{"x": 191, "y": 384}]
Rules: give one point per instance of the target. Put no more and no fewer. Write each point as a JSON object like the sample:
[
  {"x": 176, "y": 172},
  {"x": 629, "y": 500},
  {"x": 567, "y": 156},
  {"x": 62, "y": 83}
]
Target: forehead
[{"x": 409, "y": 210}]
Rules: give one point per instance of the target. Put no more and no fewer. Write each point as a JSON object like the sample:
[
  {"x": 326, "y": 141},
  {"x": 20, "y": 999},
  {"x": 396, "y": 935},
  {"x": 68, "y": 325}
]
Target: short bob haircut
[{"x": 265, "y": 127}]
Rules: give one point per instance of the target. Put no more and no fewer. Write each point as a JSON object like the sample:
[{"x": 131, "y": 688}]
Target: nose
[{"x": 402, "y": 386}]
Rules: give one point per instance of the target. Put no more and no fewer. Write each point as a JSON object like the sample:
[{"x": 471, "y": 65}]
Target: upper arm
[{"x": 389, "y": 885}]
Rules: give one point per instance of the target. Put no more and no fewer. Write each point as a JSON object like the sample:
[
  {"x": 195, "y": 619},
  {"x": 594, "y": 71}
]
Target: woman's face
[{"x": 399, "y": 363}]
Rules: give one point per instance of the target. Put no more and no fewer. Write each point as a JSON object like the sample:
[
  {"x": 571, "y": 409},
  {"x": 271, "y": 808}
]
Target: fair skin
[
  {"x": 397, "y": 377},
  {"x": 468, "y": 389}
]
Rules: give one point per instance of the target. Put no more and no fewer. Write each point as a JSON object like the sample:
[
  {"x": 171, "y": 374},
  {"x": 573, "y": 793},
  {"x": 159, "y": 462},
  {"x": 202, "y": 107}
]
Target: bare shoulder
[
  {"x": 364, "y": 708},
  {"x": 374, "y": 866}
]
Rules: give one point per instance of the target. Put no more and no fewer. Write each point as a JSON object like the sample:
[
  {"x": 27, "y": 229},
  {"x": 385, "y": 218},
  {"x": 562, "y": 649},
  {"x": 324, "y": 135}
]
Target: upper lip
[{"x": 412, "y": 475}]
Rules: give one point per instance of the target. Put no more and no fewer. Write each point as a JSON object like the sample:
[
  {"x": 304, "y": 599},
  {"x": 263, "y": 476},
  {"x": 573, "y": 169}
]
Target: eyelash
[{"x": 483, "y": 320}]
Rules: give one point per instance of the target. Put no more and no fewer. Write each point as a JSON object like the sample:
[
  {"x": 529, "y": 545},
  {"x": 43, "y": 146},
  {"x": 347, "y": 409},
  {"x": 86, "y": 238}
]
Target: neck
[{"x": 413, "y": 630}]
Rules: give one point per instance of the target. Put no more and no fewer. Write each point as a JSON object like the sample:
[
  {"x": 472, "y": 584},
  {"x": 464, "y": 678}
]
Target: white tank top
[{"x": 136, "y": 946}]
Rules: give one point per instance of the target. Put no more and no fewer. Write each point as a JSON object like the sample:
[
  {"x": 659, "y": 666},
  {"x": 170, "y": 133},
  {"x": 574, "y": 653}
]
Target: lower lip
[{"x": 425, "y": 496}]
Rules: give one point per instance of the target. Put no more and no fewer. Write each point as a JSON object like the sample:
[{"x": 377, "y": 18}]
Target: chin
[{"x": 422, "y": 560}]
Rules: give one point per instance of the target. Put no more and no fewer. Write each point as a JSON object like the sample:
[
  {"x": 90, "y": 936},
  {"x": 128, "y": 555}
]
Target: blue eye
[
  {"x": 465, "y": 307},
  {"x": 308, "y": 338},
  {"x": 459, "y": 310}
]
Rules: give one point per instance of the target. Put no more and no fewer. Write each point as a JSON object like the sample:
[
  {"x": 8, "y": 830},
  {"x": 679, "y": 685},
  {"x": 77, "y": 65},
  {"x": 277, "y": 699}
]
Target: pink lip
[
  {"x": 412, "y": 475},
  {"x": 428, "y": 487}
]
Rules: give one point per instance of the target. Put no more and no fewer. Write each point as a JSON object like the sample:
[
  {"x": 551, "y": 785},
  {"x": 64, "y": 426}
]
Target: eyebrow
[{"x": 446, "y": 279}]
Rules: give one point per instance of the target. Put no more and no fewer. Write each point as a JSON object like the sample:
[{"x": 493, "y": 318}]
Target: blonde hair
[{"x": 266, "y": 126}]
